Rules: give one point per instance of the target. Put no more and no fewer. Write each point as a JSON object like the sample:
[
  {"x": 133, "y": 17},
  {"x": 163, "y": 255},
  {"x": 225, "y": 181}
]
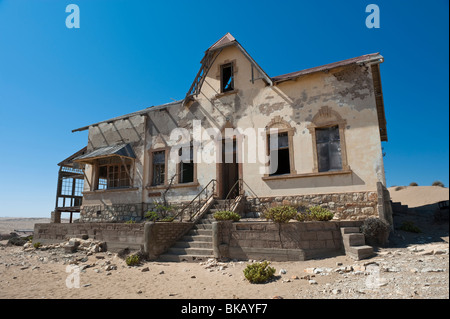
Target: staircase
[
  {"x": 398, "y": 207},
  {"x": 196, "y": 245},
  {"x": 355, "y": 243}
]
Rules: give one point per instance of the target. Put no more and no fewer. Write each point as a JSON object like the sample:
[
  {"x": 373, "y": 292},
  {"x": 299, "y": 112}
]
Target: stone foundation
[{"x": 345, "y": 206}]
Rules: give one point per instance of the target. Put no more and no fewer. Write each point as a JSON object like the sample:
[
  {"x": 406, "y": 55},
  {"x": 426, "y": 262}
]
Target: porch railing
[{"x": 194, "y": 207}]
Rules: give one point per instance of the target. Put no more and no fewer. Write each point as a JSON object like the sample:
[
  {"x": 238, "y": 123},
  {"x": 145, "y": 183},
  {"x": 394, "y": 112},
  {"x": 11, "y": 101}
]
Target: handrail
[
  {"x": 199, "y": 204},
  {"x": 241, "y": 183},
  {"x": 256, "y": 196}
]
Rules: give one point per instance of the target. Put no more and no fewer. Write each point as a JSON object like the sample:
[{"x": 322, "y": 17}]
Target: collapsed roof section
[{"x": 227, "y": 40}]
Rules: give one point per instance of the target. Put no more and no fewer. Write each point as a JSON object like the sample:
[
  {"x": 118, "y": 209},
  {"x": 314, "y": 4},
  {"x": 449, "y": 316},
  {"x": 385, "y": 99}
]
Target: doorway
[{"x": 229, "y": 170}]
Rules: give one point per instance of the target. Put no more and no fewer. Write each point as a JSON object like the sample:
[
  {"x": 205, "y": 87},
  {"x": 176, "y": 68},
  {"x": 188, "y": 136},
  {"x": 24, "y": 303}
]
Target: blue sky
[{"x": 129, "y": 55}]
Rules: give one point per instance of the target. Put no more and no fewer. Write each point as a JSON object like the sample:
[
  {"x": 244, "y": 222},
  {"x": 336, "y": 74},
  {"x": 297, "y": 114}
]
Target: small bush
[
  {"x": 151, "y": 215},
  {"x": 438, "y": 183},
  {"x": 376, "y": 231},
  {"x": 37, "y": 245},
  {"x": 281, "y": 214},
  {"x": 227, "y": 215},
  {"x": 133, "y": 260},
  {"x": 320, "y": 213},
  {"x": 399, "y": 188},
  {"x": 413, "y": 184},
  {"x": 258, "y": 273},
  {"x": 410, "y": 227},
  {"x": 130, "y": 221},
  {"x": 315, "y": 213},
  {"x": 168, "y": 219}
]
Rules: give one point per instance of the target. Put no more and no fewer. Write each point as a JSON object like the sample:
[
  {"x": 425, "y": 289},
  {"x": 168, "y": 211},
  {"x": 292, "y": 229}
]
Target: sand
[
  {"x": 418, "y": 196},
  {"x": 414, "y": 266}
]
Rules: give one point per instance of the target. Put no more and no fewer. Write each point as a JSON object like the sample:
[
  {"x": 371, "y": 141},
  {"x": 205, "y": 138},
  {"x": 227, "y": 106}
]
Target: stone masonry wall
[
  {"x": 291, "y": 241},
  {"x": 119, "y": 212},
  {"x": 160, "y": 236},
  {"x": 116, "y": 235},
  {"x": 345, "y": 206}
]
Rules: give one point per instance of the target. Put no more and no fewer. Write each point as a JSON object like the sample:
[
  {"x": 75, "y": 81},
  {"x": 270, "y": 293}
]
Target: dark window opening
[
  {"x": 159, "y": 168},
  {"x": 227, "y": 78},
  {"x": 280, "y": 158},
  {"x": 328, "y": 149},
  {"x": 186, "y": 174}
]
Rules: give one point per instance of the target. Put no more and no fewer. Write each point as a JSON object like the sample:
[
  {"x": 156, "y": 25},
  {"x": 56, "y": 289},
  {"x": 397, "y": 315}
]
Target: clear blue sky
[{"x": 129, "y": 55}]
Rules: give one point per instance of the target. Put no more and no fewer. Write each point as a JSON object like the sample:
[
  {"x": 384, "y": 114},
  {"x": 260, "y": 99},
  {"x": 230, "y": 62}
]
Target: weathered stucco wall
[{"x": 345, "y": 91}]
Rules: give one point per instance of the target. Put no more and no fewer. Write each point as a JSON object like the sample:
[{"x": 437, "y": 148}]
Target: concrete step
[
  {"x": 205, "y": 226},
  {"x": 180, "y": 258},
  {"x": 192, "y": 244},
  {"x": 359, "y": 252},
  {"x": 354, "y": 239},
  {"x": 349, "y": 230},
  {"x": 190, "y": 251},
  {"x": 201, "y": 238},
  {"x": 205, "y": 232}
]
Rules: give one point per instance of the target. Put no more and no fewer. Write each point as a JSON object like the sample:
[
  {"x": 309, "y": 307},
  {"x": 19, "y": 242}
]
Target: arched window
[{"x": 327, "y": 129}]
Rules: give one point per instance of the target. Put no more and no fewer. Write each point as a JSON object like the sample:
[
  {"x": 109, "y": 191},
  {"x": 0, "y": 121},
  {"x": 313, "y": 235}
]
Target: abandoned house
[{"x": 328, "y": 123}]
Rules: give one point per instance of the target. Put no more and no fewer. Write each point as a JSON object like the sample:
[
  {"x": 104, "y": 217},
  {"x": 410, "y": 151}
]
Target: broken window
[
  {"x": 112, "y": 174},
  {"x": 328, "y": 149},
  {"x": 186, "y": 173},
  {"x": 279, "y": 156},
  {"x": 159, "y": 168},
  {"x": 227, "y": 78}
]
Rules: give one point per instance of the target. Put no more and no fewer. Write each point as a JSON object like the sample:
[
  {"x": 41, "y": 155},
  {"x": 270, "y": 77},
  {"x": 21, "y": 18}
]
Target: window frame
[
  {"x": 222, "y": 84},
  {"x": 124, "y": 166},
  {"x": 282, "y": 126},
  {"x": 325, "y": 118},
  {"x": 151, "y": 171},
  {"x": 194, "y": 168}
]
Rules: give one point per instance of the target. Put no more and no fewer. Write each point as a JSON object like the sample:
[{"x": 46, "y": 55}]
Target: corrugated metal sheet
[
  {"x": 364, "y": 58},
  {"x": 124, "y": 150}
]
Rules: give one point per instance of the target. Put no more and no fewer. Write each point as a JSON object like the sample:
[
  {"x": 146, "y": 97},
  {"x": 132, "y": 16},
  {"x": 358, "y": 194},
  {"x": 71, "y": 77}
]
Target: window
[
  {"x": 327, "y": 130},
  {"x": 226, "y": 78},
  {"x": 328, "y": 149},
  {"x": 113, "y": 176},
  {"x": 159, "y": 168},
  {"x": 186, "y": 167},
  {"x": 279, "y": 157}
]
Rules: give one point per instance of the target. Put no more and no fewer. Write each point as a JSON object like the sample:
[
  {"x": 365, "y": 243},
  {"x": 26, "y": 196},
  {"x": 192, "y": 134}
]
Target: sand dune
[{"x": 416, "y": 196}]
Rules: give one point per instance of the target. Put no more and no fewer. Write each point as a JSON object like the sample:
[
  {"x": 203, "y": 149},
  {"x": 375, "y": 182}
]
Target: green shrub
[
  {"x": 168, "y": 219},
  {"x": 227, "y": 215},
  {"x": 133, "y": 260},
  {"x": 130, "y": 221},
  {"x": 410, "y": 227},
  {"x": 320, "y": 213},
  {"x": 37, "y": 245},
  {"x": 258, "y": 273},
  {"x": 151, "y": 215},
  {"x": 281, "y": 214},
  {"x": 315, "y": 213},
  {"x": 438, "y": 183}
]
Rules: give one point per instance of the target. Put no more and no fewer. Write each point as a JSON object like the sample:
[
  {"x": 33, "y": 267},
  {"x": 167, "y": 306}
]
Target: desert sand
[
  {"x": 418, "y": 196},
  {"x": 412, "y": 266}
]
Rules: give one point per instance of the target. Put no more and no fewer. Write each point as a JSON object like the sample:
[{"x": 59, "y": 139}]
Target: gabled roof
[{"x": 226, "y": 40}]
